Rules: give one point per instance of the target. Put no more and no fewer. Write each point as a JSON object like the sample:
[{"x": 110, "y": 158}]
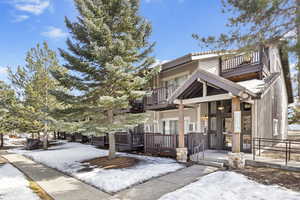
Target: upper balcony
[
  {"x": 158, "y": 98},
  {"x": 245, "y": 66}
]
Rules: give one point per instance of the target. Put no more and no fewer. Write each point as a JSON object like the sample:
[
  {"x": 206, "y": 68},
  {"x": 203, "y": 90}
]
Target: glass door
[
  {"x": 227, "y": 126},
  {"x": 246, "y": 135}
]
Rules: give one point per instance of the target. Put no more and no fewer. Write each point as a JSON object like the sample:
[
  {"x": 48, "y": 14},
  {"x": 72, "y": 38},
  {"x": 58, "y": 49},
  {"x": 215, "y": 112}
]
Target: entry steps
[{"x": 211, "y": 163}]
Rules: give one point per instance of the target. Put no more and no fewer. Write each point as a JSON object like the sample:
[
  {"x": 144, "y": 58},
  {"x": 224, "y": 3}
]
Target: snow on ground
[
  {"x": 13, "y": 184},
  {"x": 230, "y": 186},
  {"x": 68, "y": 157}
]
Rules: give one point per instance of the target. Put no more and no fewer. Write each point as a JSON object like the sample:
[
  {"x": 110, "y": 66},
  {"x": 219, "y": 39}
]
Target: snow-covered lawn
[
  {"x": 68, "y": 157},
  {"x": 14, "y": 185},
  {"x": 230, "y": 186}
]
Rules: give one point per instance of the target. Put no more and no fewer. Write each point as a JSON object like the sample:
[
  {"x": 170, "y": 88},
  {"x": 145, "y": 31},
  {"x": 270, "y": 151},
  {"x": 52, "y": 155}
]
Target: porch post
[
  {"x": 236, "y": 159},
  {"x": 181, "y": 125},
  {"x": 236, "y": 137},
  {"x": 181, "y": 151}
]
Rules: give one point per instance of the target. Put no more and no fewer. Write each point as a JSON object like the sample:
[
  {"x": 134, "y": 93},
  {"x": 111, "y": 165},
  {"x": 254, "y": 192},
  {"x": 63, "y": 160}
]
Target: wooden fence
[
  {"x": 129, "y": 141},
  {"x": 158, "y": 144},
  {"x": 125, "y": 141},
  {"x": 165, "y": 145},
  {"x": 99, "y": 141}
]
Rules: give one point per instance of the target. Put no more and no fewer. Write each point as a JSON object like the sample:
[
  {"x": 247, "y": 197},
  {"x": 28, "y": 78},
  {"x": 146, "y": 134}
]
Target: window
[
  {"x": 164, "y": 127},
  {"x": 213, "y": 123},
  {"x": 213, "y": 107},
  {"x": 192, "y": 127},
  {"x": 147, "y": 128},
  {"x": 170, "y": 126},
  {"x": 176, "y": 82},
  {"x": 173, "y": 127}
]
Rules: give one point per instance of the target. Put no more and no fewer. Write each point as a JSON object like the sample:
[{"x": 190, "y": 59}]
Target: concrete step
[{"x": 211, "y": 163}]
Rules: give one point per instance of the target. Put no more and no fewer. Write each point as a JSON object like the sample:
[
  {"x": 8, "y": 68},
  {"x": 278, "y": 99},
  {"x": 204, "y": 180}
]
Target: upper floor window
[{"x": 176, "y": 82}]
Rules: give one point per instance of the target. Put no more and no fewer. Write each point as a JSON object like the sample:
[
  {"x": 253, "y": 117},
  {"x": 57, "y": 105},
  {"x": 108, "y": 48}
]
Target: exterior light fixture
[{"x": 221, "y": 108}]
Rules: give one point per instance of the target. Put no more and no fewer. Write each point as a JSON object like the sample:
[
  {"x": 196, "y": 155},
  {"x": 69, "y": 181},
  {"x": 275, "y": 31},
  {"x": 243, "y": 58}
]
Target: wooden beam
[
  {"x": 204, "y": 89},
  {"x": 181, "y": 125},
  {"x": 236, "y": 137},
  {"x": 204, "y": 99}
]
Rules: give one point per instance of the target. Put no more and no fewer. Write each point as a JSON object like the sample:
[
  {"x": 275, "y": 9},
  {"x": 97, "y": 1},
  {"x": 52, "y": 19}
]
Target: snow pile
[
  {"x": 13, "y": 185},
  {"x": 253, "y": 85},
  {"x": 230, "y": 186},
  {"x": 68, "y": 158}
]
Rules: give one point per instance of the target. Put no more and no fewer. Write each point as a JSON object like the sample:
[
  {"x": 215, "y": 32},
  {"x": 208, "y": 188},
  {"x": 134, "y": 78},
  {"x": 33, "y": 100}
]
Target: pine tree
[
  {"x": 32, "y": 84},
  {"x": 107, "y": 61},
  {"x": 7, "y": 119}
]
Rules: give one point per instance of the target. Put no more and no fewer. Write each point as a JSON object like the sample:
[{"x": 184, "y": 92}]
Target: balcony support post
[
  {"x": 181, "y": 125},
  {"x": 181, "y": 151}
]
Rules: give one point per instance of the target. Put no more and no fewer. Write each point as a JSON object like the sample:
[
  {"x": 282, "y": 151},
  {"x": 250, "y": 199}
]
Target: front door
[
  {"x": 246, "y": 139},
  {"x": 221, "y": 124}
]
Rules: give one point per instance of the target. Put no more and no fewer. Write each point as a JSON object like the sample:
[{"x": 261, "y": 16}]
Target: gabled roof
[
  {"x": 254, "y": 88},
  {"x": 234, "y": 88}
]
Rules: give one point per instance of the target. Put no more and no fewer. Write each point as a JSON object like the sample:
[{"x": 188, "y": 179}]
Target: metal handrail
[{"x": 287, "y": 148}]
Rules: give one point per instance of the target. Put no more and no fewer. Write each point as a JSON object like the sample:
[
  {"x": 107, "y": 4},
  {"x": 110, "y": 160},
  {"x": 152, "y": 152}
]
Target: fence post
[
  {"x": 203, "y": 148},
  {"x": 286, "y": 153},
  {"x": 145, "y": 143},
  {"x": 254, "y": 147},
  {"x": 289, "y": 150},
  {"x": 259, "y": 146}
]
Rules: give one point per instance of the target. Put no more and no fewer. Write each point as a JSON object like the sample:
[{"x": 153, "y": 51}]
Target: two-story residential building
[{"x": 229, "y": 97}]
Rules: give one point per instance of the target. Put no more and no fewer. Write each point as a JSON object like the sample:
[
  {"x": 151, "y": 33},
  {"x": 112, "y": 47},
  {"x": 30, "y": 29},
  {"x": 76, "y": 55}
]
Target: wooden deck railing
[
  {"x": 240, "y": 61},
  {"x": 246, "y": 60},
  {"x": 159, "y": 95}
]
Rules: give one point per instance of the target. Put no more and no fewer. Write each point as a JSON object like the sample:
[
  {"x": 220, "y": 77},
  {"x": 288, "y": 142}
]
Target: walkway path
[
  {"x": 56, "y": 184},
  {"x": 63, "y": 187},
  {"x": 155, "y": 188}
]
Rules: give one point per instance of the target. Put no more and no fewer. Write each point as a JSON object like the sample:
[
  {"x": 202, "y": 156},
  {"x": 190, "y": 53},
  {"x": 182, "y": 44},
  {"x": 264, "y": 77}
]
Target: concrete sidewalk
[
  {"x": 58, "y": 185},
  {"x": 157, "y": 187}
]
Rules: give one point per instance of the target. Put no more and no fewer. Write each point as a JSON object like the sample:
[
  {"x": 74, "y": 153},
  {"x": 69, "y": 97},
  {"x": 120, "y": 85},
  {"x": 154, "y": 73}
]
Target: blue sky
[{"x": 24, "y": 23}]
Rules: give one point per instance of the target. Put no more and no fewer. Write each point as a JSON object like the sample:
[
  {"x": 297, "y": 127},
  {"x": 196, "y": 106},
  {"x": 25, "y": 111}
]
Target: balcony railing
[
  {"x": 258, "y": 58},
  {"x": 159, "y": 96}
]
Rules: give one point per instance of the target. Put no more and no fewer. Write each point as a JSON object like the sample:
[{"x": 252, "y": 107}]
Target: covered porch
[{"x": 224, "y": 112}]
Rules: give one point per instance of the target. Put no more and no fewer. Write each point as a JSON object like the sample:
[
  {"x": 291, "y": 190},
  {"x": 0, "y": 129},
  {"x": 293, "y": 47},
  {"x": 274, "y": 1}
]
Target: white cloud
[
  {"x": 36, "y": 7},
  {"x": 3, "y": 70},
  {"x": 20, "y": 18},
  {"x": 54, "y": 33}
]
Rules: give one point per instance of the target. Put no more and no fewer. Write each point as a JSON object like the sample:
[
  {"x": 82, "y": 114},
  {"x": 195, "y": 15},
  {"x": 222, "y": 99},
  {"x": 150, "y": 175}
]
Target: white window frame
[{"x": 167, "y": 120}]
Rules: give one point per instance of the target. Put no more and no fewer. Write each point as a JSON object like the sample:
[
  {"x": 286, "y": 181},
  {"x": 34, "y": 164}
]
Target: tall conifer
[{"x": 107, "y": 59}]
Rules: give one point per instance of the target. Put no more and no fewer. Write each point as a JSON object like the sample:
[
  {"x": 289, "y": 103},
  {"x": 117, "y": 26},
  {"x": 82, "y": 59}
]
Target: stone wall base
[
  {"x": 236, "y": 160},
  {"x": 182, "y": 154}
]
